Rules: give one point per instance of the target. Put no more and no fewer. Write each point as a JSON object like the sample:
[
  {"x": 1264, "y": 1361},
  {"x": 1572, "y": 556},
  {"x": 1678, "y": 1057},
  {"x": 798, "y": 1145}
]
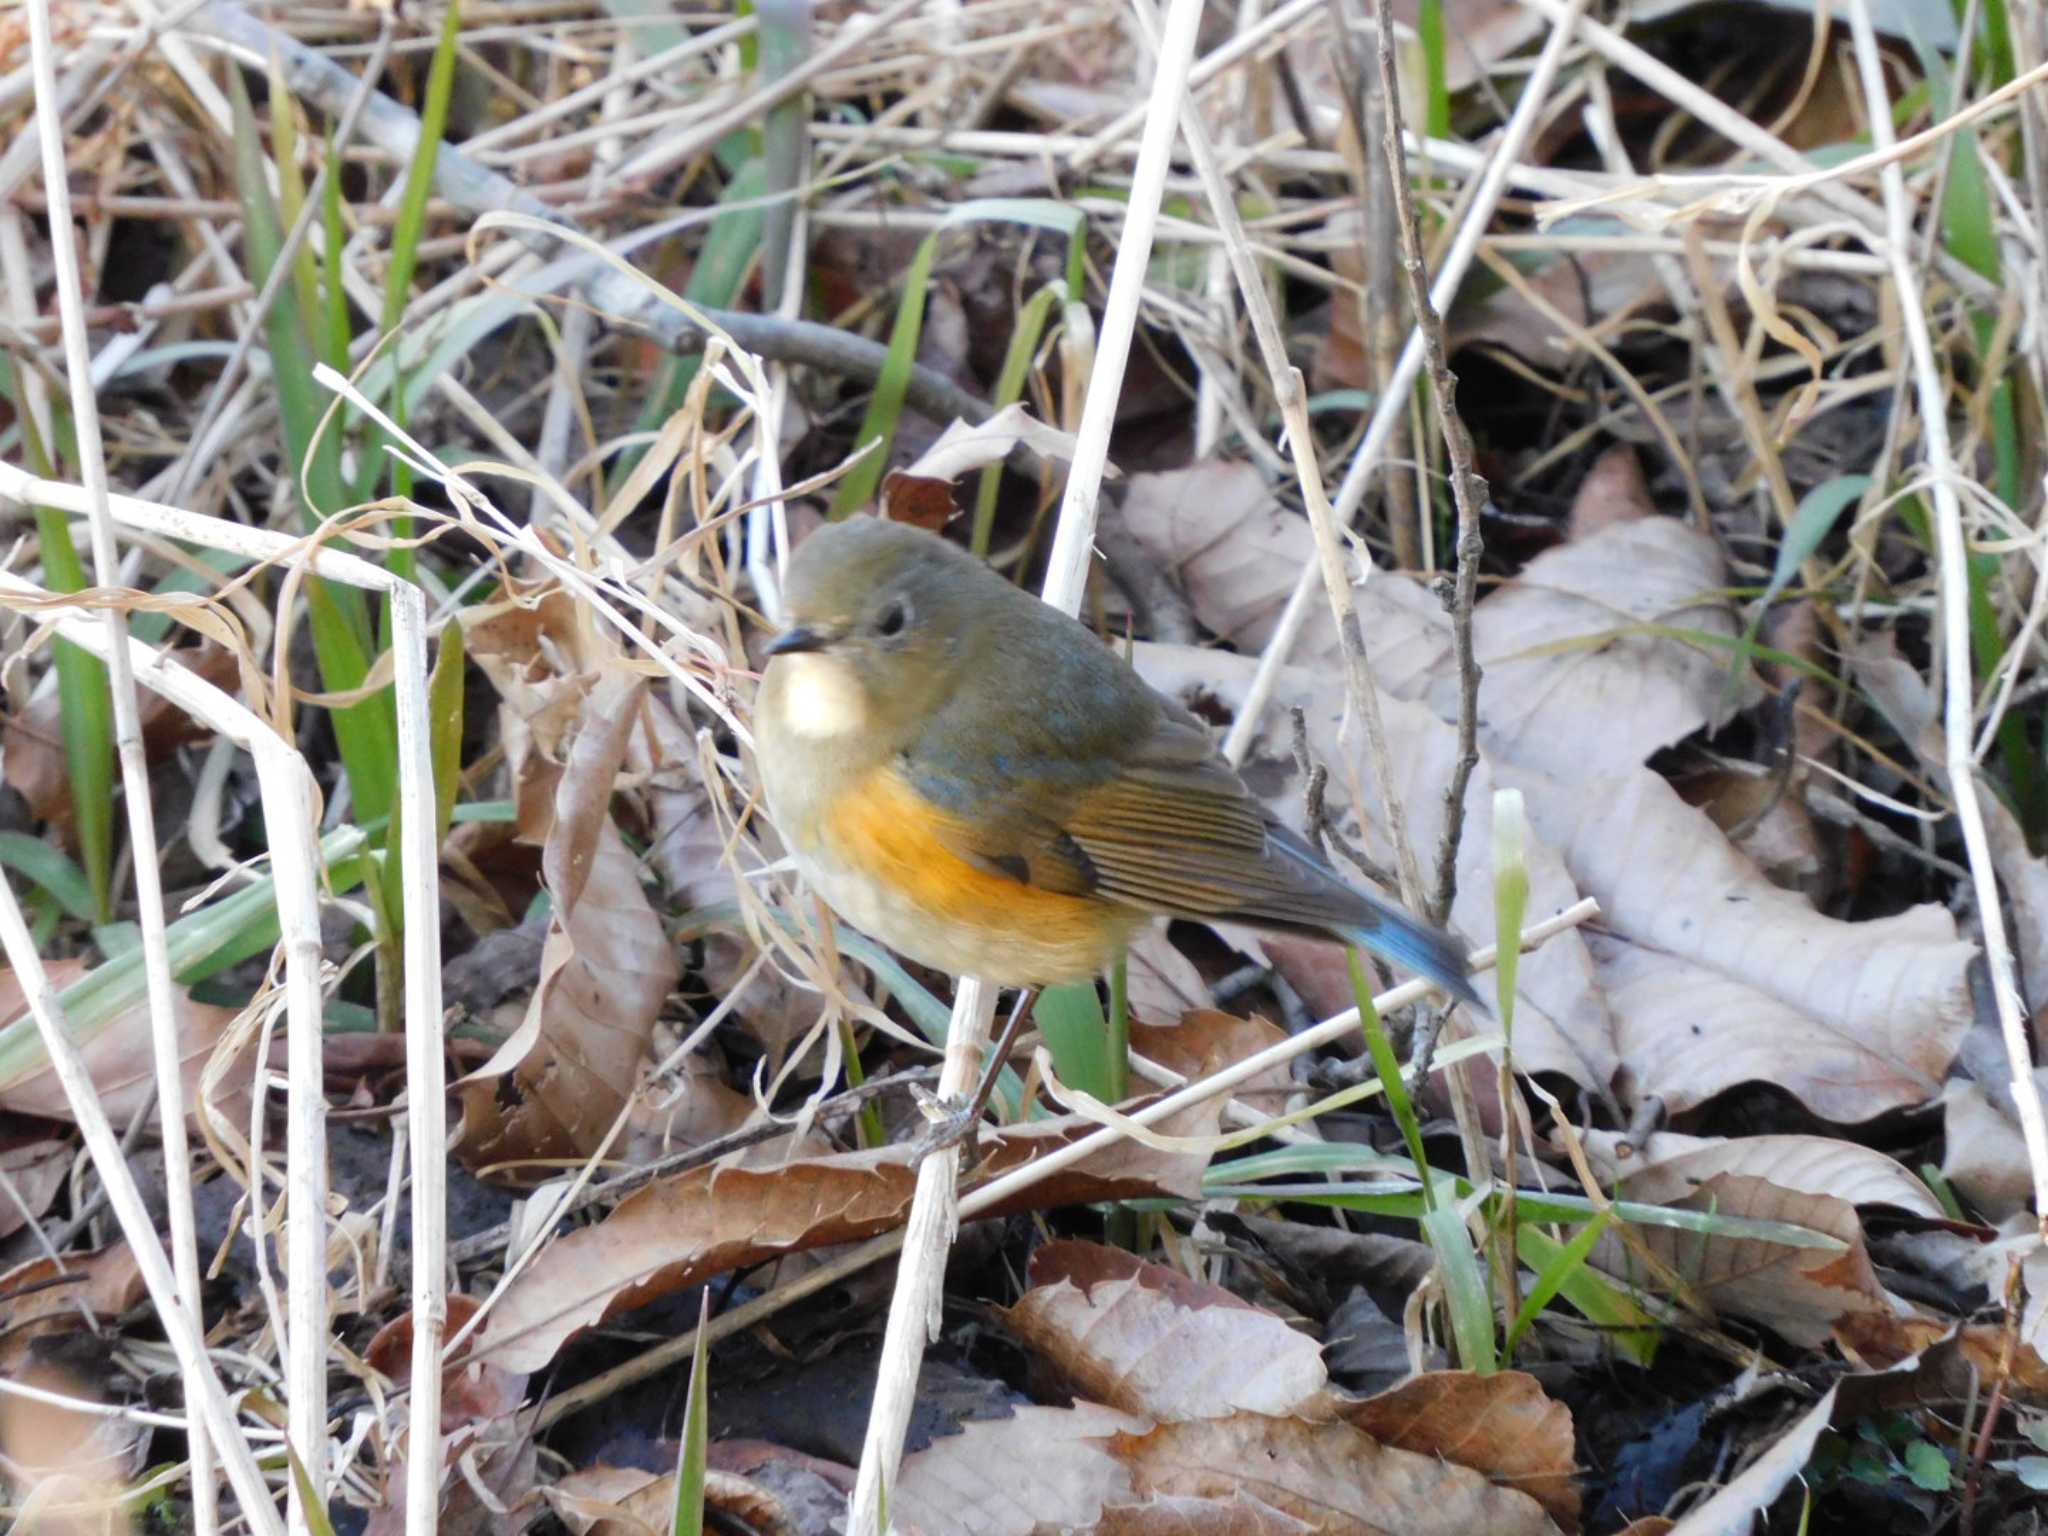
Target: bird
[{"x": 975, "y": 779}]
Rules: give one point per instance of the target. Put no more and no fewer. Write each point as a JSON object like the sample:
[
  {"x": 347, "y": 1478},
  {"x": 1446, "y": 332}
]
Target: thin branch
[{"x": 1468, "y": 491}]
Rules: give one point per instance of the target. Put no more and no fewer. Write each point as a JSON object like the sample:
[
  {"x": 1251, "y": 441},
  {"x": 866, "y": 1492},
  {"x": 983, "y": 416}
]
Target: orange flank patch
[{"x": 892, "y": 837}]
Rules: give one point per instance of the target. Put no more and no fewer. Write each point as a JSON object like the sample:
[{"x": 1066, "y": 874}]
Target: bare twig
[{"x": 1467, "y": 489}]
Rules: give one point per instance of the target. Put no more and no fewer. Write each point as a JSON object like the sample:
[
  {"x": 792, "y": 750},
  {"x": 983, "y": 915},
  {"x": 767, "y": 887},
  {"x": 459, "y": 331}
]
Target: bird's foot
[{"x": 955, "y": 1121}]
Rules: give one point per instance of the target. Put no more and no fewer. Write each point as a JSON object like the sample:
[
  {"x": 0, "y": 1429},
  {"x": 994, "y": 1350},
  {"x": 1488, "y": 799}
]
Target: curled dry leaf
[
  {"x": 1984, "y": 1153},
  {"x": 1090, "y": 1469},
  {"x": 1163, "y": 983},
  {"x": 32, "y": 744},
  {"x": 1042, "y": 1469},
  {"x": 1717, "y": 977},
  {"x": 1912, "y": 1363},
  {"x": 1231, "y": 546},
  {"x": 34, "y": 1170},
  {"x": 56, "y": 1295},
  {"x": 1330, "y": 1475},
  {"x": 557, "y": 1086},
  {"x": 1147, "y": 1340},
  {"x": 55, "y": 1453},
  {"x": 1714, "y": 976},
  {"x": 1582, "y": 671},
  {"x": 1208, "y": 1040},
  {"x": 775, "y": 1493},
  {"x": 682, "y": 1230}
]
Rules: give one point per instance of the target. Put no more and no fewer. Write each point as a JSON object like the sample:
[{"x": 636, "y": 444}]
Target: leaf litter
[{"x": 1723, "y": 720}]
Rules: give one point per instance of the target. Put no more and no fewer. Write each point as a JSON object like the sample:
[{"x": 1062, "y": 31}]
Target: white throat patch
[{"x": 821, "y": 696}]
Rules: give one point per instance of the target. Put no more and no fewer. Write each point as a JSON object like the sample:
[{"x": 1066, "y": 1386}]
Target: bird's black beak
[{"x": 794, "y": 640}]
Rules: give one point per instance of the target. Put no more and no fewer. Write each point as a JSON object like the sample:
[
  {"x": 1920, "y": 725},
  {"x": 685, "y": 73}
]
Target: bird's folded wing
[{"x": 1170, "y": 828}]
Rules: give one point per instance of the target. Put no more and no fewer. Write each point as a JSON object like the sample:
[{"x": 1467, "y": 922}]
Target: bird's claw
[{"x": 955, "y": 1121}]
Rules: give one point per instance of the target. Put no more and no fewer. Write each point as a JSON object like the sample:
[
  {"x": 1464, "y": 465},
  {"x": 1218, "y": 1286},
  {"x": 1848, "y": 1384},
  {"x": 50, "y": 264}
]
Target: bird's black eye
[{"x": 893, "y": 619}]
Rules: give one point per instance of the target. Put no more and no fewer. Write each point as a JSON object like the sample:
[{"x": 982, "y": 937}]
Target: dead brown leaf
[
  {"x": 1150, "y": 1341},
  {"x": 35, "y": 1172},
  {"x": 554, "y": 1090},
  {"x": 1501, "y": 1425},
  {"x": 121, "y": 1060},
  {"x": 484, "y": 1443},
  {"x": 1801, "y": 1293},
  {"x": 682, "y": 1230},
  {"x": 1333, "y": 1477},
  {"x": 1666, "y": 1164},
  {"x": 32, "y": 743}
]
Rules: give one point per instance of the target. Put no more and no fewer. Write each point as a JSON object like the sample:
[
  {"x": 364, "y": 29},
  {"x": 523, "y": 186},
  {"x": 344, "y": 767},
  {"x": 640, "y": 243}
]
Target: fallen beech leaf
[
  {"x": 32, "y": 743},
  {"x": 1042, "y": 1469},
  {"x": 1667, "y": 1165},
  {"x": 682, "y": 1230},
  {"x": 1151, "y": 1341},
  {"x": 49, "y": 1296},
  {"x": 1332, "y": 1476},
  {"x": 1799, "y": 1292},
  {"x": 1163, "y": 984},
  {"x": 1561, "y": 1021},
  {"x": 1501, "y": 1425},
  {"x": 1208, "y": 1040},
  {"x": 1231, "y": 546},
  {"x": 1717, "y": 977},
  {"x": 1581, "y": 637},
  {"x": 1984, "y": 1153},
  {"x": 1920, "y": 1363},
  {"x": 35, "y": 1172}
]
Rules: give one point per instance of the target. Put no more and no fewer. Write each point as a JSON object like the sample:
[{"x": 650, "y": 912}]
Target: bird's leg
[{"x": 952, "y": 1127}]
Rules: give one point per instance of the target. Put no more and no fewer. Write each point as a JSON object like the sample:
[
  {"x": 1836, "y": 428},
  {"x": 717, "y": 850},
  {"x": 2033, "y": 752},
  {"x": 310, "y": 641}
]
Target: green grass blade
[
  {"x": 406, "y": 233},
  {"x": 1429, "y": 26},
  {"x": 1598, "y": 1298},
  {"x": 1510, "y": 899},
  {"x": 1077, "y": 1035},
  {"x": 334, "y": 235},
  {"x": 1464, "y": 1282},
  {"x": 444, "y": 722},
  {"x": 51, "y": 869},
  {"x": 86, "y": 717},
  {"x": 1389, "y": 1068},
  {"x": 885, "y": 406},
  {"x": 1817, "y": 513},
  {"x": 366, "y": 732},
  {"x": 693, "y": 1453},
  {"x": 1024, "y": 339},
  {"x": 714, "y": 283}
]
